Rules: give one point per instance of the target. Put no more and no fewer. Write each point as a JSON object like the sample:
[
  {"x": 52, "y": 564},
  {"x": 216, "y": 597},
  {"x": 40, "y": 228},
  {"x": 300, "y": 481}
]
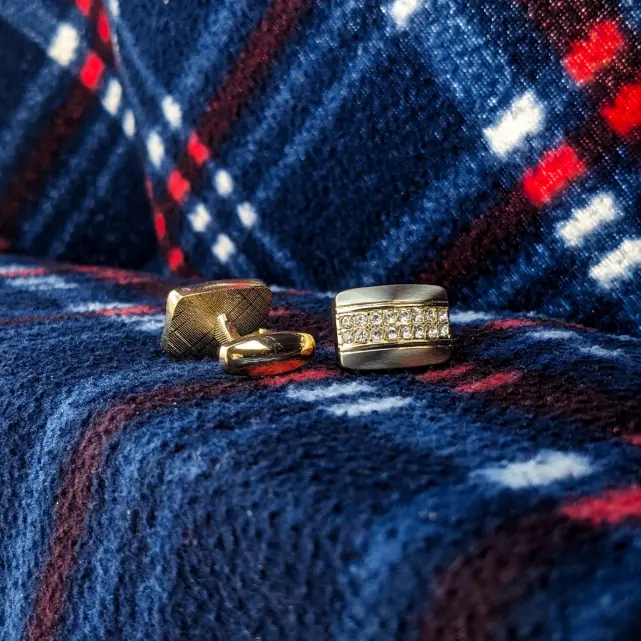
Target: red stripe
[
  {"x": 610, "y": 508},
  {"x": 445, "y": 374},
  {"x": 264, "y": 43},
  {"x": 624, "y": 114},
  {"x": 599, "y": 49},
  {"x": 490, "y": 382},
  {"x": 73, "y": 501},
  {"x": 554, "y": 172}
]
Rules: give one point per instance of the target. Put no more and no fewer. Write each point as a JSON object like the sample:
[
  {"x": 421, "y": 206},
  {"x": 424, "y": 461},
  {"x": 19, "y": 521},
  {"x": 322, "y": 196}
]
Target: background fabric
[
  {"x": 494, "y": 498},
  {"x": 490, "y": 146}
]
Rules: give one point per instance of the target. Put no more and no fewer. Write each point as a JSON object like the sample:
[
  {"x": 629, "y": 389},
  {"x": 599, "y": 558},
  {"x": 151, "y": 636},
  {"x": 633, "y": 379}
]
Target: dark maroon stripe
[
  {"x": 495, "y": 231},
  {"x": 271, "y": 34},
  {"x": 73, "y": 500},
  {"x": 28, "y": 183},
  {"x": 481, "y": 589},
  {"x": 263, "y": 45},
  {"x": 565, "y": 21}
]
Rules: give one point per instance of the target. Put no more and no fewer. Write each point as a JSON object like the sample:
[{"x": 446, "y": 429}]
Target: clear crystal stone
[
  {"x": 442, "y": 316},
  {"x": 360, "y": 320},
  {"x": 377, "y": 318},
  {"x": 348, "y": 337},
  {"x": 390, "y": 317},
  {"x": 362, "y": 336},
  {"x": 392, "y": 334},
  {"x": 444, "y": 331},
  {"x": 347, "y": 322},
  {"x": 404, "y": 316},
  {"x": 419, "y": 332},
  {"x": 377, "y": 335},
  {"x": 417, "y": 316},
  {"x": 430, "y": 315},
  {"x": 406, "y": 333},
  {"x": 432, "y": 332}
]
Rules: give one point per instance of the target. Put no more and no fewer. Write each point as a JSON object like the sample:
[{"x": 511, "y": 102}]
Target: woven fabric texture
[
  {"x": 141, "y": 499},
  {"x": 490, "y": 146}
]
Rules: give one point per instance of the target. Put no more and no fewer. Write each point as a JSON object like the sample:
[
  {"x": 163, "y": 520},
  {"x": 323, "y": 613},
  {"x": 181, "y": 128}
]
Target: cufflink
[
  {"x": 391, "y": 327},
  {"x": 223, "y": 318}
]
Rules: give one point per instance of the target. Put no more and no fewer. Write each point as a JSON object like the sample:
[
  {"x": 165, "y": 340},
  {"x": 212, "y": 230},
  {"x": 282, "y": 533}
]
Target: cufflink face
[
  {"x": 392, "y": 326},
  {"x": 192, "y": 328}
]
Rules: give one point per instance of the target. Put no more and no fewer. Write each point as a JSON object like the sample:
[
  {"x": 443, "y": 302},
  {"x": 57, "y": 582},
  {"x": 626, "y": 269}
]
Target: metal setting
[
  {"x": 392, "y": 326},
  {"x": 223, "y": 319}
]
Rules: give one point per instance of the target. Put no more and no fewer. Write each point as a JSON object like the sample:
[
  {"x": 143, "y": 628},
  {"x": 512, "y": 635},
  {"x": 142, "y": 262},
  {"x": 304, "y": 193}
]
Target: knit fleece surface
[{"x": 495, "y": 497}]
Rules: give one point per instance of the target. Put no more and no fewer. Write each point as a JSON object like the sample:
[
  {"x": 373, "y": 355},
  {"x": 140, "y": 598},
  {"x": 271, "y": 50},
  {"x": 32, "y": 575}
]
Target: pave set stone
[{"x": 399, "y": 324}]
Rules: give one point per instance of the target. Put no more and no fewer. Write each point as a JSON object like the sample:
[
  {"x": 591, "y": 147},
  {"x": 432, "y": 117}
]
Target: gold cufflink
[
  {"x": 223, "y": 318},
  {"x": 392, "y": 326}
]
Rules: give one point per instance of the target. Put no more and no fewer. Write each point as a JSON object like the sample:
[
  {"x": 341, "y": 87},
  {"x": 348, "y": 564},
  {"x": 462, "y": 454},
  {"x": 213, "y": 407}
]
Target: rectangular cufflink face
[
  {"x": 191, "y": 320},
  {"x": 392, "y": 326}
]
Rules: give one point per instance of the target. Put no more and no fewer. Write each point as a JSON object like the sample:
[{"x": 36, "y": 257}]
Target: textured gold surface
[
  {"x": 392, "y": 326},
  {"x": 192, "y": 329}
]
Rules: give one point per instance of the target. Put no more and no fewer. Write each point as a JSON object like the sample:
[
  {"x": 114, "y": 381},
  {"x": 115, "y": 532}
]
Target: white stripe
[
  {"x": 469, "y": 317},
  {"x": 223, "y": 248},
  {"x": 145, "y": 323},
  {"x": 543, "y": 469},
  {"x": 601, "y": 209},
  {"x": 552, "y": 334},
  {"x": 7, "y": 269},
  {"x": 224, "y": 183},
  {"x": 113, "y": 97},
  {"x": 129, "y": 123},
  {"x": 39, "y": 283},
  {"x": 247, "y": 215},
  {"x": 401, "y": 10},
  {"x": 96, "y": 307},
  {"x": 524, "y": 117},
  {"x": 619, "y": 263},
  {"x": 172, "y": 111},
  {"x": 366, "y": 407},
  {"x": 200, "y": 218},
  {"x": 601, "y": 352},
  {"x": 155, "y": 149},
  {"x": 299, "y": 393},
  {"x": 114, "y": 7},
  {"x": 64, "y": 44}
]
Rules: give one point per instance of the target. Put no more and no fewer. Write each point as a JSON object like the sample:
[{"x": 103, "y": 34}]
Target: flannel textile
[
  {"x": 491, "y": 146},
  {"x": 495, "y": 497}
]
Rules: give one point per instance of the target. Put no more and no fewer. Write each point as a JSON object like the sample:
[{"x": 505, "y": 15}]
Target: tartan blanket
[
  {"x": 496, "y": 497},
  {"x": 489, "y": 146}
]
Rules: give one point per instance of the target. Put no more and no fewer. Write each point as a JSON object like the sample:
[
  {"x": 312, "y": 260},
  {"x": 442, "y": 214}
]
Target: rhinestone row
[{"x": 393, "y": 325}]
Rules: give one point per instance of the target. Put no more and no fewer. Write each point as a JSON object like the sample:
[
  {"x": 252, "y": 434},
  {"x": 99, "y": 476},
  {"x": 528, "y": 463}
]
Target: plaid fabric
[
  {"x": 494, "y": 498},
  {"x": 489, "y": 146}
]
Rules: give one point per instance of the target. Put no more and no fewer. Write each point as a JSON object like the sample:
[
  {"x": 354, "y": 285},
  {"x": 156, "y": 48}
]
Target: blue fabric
[
  {"x": 322, "y": 504},
  {"x": 490, "y": 146}
]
